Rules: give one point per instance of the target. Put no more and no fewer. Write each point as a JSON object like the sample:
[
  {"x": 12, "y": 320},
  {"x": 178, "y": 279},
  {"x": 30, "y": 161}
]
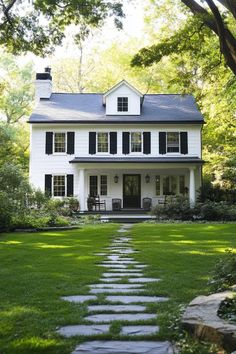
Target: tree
[
  {"x": 222, "y": 24},
  {"x": 39, "y": 25}
]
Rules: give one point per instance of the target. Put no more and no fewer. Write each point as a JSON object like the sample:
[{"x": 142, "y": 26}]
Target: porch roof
[{"x": 137, "y": 160}]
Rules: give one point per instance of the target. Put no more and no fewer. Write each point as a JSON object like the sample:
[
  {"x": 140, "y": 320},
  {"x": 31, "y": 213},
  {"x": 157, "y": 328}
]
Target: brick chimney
[{"x": 43, "y": 84}]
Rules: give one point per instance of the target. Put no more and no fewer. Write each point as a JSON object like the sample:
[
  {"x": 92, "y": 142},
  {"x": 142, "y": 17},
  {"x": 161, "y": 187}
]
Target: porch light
[
  {"x": 116, "y": 179},
  {"x": 147, "y": 178}
]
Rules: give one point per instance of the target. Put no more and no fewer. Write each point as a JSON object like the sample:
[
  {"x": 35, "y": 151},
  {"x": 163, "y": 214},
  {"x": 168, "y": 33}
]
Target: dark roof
[
  {"x": 137, "y": 160},
  {"x": 88, "y": 108}
]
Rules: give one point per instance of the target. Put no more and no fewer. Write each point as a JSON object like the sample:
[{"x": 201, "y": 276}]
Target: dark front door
[{"x": 131, "y": 191}]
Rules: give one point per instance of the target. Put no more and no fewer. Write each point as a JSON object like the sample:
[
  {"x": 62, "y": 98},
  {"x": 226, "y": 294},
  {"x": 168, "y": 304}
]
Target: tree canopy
[{"x": 39, "y": 25}]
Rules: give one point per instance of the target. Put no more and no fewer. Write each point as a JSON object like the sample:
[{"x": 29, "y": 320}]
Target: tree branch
[{"x": 229, "y": 5}]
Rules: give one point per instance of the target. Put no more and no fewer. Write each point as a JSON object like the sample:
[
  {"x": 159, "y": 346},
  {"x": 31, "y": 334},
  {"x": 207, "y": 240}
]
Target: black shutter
[
  {"x": 48, "y": 185},
  {"x": 125, "y": 145},
  {"x": 113, "y": 143},
  {"x": 70, "y": 185},
  {"x": 70, "y": 143},
  {"x": 49, "y": 140},
  {"x": 162, "y": 143},
  {"x": 184, "y": 143},
  {"x": 147, "y": 143},
  {"x": 92, "y": 143}
]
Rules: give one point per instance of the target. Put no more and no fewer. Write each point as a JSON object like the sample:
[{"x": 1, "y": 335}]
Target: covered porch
[{"x": 130, "y": 186}]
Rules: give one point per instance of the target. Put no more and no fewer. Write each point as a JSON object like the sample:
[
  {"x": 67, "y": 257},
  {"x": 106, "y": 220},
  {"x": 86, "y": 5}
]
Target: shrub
[
  {"x": 176, "y": 209},
  {"x": 224, "y": 273}
]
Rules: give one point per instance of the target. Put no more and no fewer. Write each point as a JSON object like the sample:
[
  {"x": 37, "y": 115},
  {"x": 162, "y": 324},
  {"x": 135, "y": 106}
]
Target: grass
[
  {"x": 183, "y": 256},
  {"x": 37, "y": 269}
]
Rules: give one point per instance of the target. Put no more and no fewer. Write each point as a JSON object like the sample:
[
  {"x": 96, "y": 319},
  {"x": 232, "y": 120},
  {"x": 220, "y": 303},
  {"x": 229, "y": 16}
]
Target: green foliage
[
  {"x": 39, "y": 26},
  {"x": 224, "y": 273},
  {"x": 177, "y": 209},
  {"x": 227, "y": 310}
]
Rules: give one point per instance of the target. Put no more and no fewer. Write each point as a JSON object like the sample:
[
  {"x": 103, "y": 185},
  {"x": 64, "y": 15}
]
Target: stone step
[
  {"x": 115, "y": 286},
  {"x": 122, "y": 274},
  {"x": 110, "y": 265},
  {"x": 118, "y": 258},
  {"x": 139, "y": 330},
  {"x": 83, "y": 330},
  {"x": 110, "y": 317},
  {"x": 124, "y": 347},
  {"x": 79, "y": 299},
  {"x": 119, "y": 261},
  {"x": 116, "y": 308},
  {"x": 115, "y": 291},
  {"x": 110, "y": 280},
  {"x": 135, "y": 299},
  {"x": 142, "y": 280},
  {"x": 128, "y": 270}
]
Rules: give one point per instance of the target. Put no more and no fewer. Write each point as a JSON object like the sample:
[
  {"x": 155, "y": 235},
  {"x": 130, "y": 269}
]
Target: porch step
[{"x": 126, "y": 218}]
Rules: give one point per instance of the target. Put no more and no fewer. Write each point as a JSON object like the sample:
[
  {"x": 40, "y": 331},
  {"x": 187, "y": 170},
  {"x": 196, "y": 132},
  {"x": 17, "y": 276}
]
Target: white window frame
[
  {"x": 99, "y": 183},
  {"x": 59, "y": 175},
  {"x": 59, "y": 153},
  {"x": 122, "y": 104},
  {"x": 108, "y": 143},
  {"x": 172, "y": 152},
  {"x": 130, "y": 147}
]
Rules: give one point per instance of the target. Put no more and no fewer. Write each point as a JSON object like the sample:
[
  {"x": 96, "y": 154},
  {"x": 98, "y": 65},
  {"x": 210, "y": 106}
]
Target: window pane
[
  {"x": 59, "y": 186},
  {"x": 166, "y": 185},
  {"x": 172, "y": 142},
  {"x": 181, "y": 185},
  {"x": 158, "y": 185},
  {"x": 136, "y": 142},
  {"x": 173, "y": 185},
  {"x": 102, "y": 142},
  {"x": 93, "y": 186},
  {"x": 103, "y": 186},
  {"x": 122, "y": 104},
  {"x": 59, "y": 142}
]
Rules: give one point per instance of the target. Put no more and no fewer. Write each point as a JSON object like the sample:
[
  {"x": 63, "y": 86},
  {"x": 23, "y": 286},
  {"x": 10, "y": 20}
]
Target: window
[
  {"x": 136, "y": 142},
  {"x": 59, "y": 186},
  {"x": 93, "y": 186},
  {"x": 181, "y": 185},
  {"x": 172, "y": 142},
  {"x": 122, "y": 104},
  {"x": 59, "y": 142},
  {"x": 169, "y": 185},
  {"x": 158, "y": 185},
  {"x": 103, "y": 185},
  {"x": 102, "y": 139},
  {"x": 97, "y": 185}
]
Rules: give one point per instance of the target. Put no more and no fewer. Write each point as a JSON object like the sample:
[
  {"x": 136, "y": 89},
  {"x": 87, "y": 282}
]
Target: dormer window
[{"x": 122, "y": 104}]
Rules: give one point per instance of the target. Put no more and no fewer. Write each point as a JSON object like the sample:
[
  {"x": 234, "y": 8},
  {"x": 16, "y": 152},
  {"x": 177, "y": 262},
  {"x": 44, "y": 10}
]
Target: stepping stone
[
  {"x": 115, "y": 286},
  {"x": 80, "y": 299},
  {"x": 120, "y": 261},
  {"x": 127, "y": 251},
  {"x": 139, "y": 330},
  {"x": 83, "y": 330},
  {"x": 124, "y": 347},
  {"x": 100, "y": 254},
  {"x": 140, "y": 266},
  {"x": 135, "y": 299},
  {"x": 116, "y": 308},
  {"x": 128, "y": 270},
  {"x": 110, "y": 317},
  {"x": 115, "y": 291},
  {"x": 142, "y": 280},
  {"x": 113, "y": 265},
  {"x": 122, "y": 230},
  {"x": 119, "y": 258},
  {"x": 110, "y": 280},
  {"x": 126, "y": 274}
]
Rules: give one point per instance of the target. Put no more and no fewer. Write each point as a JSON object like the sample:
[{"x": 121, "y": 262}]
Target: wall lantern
[
  {"x": 147, "y": 178},
  {"x": 116, "y": 179}
]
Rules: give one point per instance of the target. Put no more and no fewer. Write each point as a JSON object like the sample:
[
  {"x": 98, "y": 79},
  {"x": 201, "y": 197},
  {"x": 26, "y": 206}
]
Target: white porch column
[
  {"x": 192, "y": 195},
  {"x": 81, "y": 190}
]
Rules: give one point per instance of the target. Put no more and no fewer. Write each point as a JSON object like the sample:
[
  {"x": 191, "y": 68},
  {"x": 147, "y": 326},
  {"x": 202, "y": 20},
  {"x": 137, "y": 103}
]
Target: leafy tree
[
  {"x": 221, "y": 24},
  {"x": 39, "y": 25}
]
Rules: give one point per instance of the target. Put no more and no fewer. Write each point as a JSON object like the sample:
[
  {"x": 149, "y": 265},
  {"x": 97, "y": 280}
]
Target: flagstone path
[{"x": 124, "y": 302}]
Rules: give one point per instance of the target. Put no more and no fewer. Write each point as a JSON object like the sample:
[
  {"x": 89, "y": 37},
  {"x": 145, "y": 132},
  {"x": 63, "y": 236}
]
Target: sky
[{"x": 132, "y": 26}]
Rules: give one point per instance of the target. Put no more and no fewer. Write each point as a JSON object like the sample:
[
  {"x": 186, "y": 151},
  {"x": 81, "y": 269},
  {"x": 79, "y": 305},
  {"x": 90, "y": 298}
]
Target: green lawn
[
  {"x": 182, "y": 255},
  {"x": 37, "y": 269}
]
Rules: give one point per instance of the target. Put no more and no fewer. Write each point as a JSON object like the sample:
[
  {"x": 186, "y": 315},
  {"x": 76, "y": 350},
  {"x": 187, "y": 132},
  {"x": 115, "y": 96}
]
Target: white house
[{"x": 119, "y": 145}]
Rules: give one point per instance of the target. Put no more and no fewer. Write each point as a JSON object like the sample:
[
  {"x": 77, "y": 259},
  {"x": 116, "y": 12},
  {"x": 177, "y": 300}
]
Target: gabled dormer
[{"x": 123, "y": 99}]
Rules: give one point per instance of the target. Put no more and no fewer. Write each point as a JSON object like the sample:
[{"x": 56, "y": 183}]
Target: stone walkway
[{"x": 124, "y": 302}]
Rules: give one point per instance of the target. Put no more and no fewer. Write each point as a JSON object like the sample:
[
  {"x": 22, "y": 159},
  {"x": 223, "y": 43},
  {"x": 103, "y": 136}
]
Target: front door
[{"x": 131, "y": 191}]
